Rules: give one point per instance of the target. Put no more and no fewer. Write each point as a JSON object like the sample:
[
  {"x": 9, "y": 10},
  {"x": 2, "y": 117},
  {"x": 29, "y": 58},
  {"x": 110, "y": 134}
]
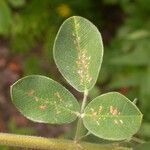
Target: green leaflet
[
  {"x": 41, "y": 99},
  {"x": 78, "y": 52},
  {"x": 112, "y": 116}
]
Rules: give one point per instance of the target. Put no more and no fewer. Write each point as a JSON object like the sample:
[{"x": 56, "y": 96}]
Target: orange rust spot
[
  {"x": 82, "y": 61},
  {"x": 114, "y": 111},
  {"x": 30, "y": 92},
  {"x": 94, "y": 114},
  {"x": 42, "y": 107},
  {"x": 83, "y": 66}
]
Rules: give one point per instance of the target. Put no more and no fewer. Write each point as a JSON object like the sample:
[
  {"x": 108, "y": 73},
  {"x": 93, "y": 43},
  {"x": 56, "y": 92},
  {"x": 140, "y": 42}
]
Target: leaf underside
[
  {"x": 78, "y": 52},
  {"x": 41, "y": 99},
  {"x": 112, "y": 116}
]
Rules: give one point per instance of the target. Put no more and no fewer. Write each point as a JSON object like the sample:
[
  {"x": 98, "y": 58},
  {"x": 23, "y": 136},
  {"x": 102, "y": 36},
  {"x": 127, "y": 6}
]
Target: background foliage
[{"x": 28, "y": 29}]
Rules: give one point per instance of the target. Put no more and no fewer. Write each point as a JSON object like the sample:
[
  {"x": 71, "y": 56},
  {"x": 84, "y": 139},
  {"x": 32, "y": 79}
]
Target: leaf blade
[
  {"x": 78, "y": 52},
  {"x": 112, "y": 116},
  {"x": 42, "y": 99}
]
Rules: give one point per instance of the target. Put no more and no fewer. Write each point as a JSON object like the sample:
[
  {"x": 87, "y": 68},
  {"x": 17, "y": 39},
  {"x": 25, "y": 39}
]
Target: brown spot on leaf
[
  {"x": 83, "y": 60},
  {"x": 42, "y": 107},
  {"x": 114, "y": 111},
  {"x": 83, "y": 66},
  {"x": 94, "y": 114},
  {"x": 30, "y": 92}
]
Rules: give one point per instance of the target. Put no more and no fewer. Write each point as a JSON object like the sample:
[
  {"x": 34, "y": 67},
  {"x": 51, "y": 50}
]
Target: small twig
[
  {"x": 87, "y": 134},
  {"x": 138, "y": 140}
]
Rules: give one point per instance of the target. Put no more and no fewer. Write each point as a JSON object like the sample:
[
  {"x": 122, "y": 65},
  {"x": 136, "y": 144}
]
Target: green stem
[
  {"x": 55, "y": 144},
  {"x": 87, "y": 134},
  {"x": 84, "y": 101},
  {"x": 79, "y": 123},
  {"x": 138, "y": 140}
]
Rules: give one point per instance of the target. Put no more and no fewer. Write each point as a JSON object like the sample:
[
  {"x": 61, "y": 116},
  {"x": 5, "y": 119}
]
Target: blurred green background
[{"x": 27, "y": 32}]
